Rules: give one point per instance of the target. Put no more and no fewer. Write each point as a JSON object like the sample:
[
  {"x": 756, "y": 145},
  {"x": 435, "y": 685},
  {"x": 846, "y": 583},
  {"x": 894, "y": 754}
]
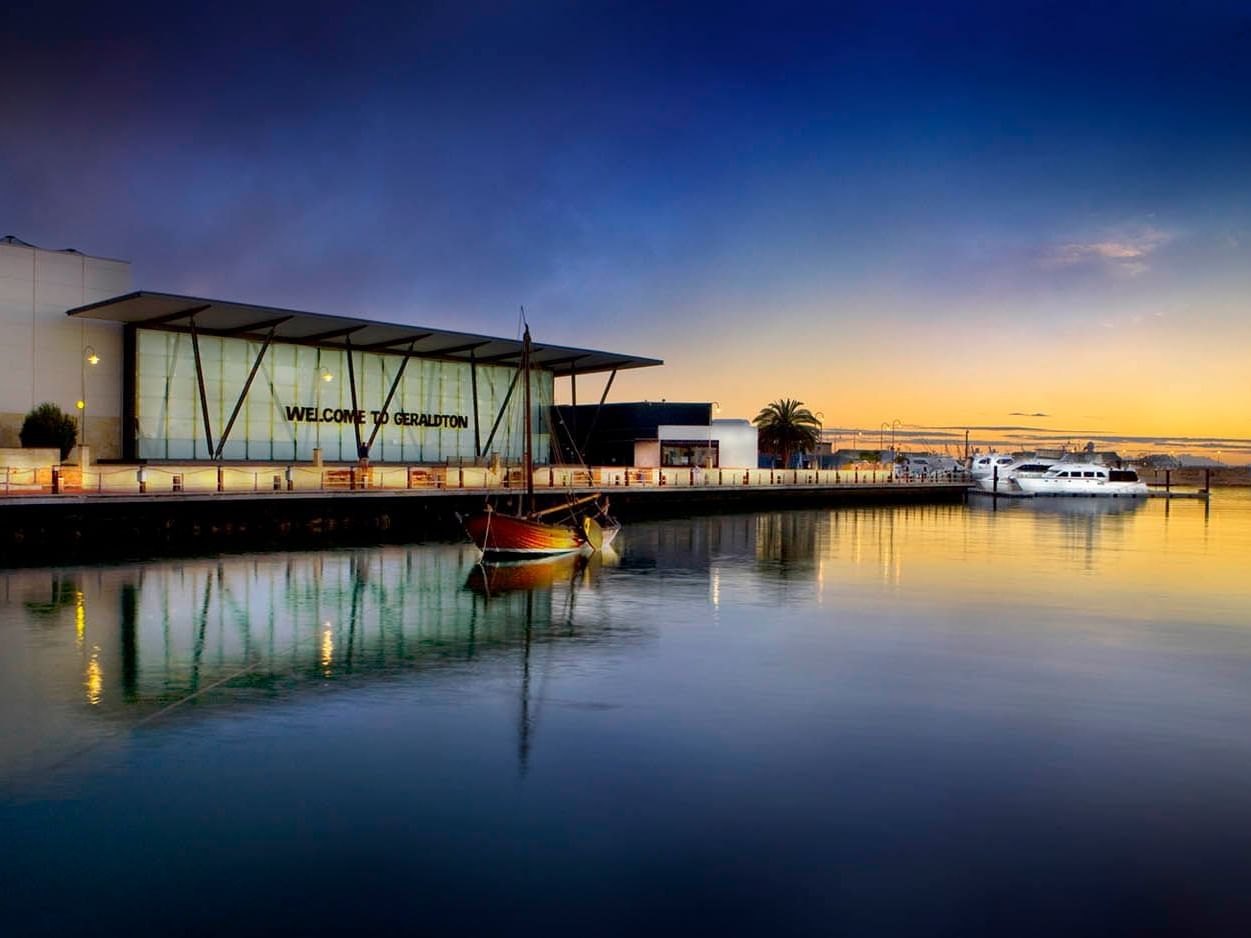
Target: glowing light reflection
[
  {"x": 80, "y": 619},
  {"x": 94, "y": 682},
  {"x": 327, "y": 648}
]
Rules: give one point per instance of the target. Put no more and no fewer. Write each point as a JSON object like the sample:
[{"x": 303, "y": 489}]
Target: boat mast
[{"x": 529, "y": 458}]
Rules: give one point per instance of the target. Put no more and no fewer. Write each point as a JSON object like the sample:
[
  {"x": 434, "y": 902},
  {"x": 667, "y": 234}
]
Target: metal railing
[{"x": 280, "y": 478}]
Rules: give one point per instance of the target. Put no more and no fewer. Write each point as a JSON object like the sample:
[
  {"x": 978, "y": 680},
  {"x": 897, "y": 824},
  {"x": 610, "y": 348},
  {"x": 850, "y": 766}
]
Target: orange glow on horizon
[{"x": 1148, "y": 379}]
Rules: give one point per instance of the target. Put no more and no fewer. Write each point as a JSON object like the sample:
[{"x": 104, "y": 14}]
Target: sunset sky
[{"x": 967, "y": 214}]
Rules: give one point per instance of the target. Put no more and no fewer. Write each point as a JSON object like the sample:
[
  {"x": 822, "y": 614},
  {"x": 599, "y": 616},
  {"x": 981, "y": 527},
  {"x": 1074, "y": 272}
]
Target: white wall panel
[{"x": 42, "y": 350}]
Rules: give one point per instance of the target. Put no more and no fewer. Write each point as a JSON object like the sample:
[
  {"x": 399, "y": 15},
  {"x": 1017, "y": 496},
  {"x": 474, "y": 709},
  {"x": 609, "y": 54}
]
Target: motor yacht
[
  {"x": 1010, "y": 469},
  {"x": 1084, "y": 478},
  {"x": 983, "y": 467}
]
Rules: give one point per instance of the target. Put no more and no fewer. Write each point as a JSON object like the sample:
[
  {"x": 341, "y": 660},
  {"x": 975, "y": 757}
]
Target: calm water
[{"x": 934, "y": 720}]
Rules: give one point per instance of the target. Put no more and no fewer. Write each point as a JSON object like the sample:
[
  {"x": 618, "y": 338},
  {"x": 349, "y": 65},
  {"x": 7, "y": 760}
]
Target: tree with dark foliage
[{"x": 48, "y": 426}]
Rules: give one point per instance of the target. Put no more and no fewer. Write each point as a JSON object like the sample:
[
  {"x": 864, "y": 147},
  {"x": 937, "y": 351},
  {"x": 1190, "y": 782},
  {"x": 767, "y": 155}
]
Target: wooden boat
[
  {"x": 536, "y": 533},
  {"x": 497, "y": 533}
]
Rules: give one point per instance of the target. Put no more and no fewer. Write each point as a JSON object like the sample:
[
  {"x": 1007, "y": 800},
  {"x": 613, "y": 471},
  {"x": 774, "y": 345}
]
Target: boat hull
[
  {"x": 509, "y": 536},
  {"x": 1051, "y": 486}
]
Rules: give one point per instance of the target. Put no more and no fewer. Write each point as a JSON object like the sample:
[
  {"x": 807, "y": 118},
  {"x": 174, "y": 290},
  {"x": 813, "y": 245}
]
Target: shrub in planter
[{"x": 48, "y": 426}]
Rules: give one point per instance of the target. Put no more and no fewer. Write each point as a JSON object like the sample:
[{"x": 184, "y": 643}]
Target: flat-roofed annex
[{"x": 173, "y": 313}]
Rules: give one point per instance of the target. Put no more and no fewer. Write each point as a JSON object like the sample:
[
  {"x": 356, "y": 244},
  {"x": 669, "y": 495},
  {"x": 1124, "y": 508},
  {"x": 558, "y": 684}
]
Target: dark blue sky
[{"x": 696, "y": 182}]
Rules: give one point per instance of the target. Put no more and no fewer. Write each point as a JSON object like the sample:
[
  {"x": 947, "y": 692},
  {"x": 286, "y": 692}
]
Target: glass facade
[{"x": 301, "y": 399}]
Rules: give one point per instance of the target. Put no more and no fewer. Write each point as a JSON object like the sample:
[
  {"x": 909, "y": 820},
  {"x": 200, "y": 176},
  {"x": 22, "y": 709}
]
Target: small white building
[{"x": 726, "y": 444}]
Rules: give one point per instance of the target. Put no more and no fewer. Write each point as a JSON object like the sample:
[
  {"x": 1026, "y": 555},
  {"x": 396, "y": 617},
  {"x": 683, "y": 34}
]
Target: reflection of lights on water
[
  {"x": 716, "y": 588},
  {"x": 327, "y": 647},
  {"x": 80, "y": 619},
  {"x": 95, "y": 677}
]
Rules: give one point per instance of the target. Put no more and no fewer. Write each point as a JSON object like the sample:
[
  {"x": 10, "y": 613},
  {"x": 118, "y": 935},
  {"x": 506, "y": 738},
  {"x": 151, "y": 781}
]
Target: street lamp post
[
  {"x": 716, "y": 409},
  {"x": 820, "y": 415},
  {"x": 89, "y": 357}
]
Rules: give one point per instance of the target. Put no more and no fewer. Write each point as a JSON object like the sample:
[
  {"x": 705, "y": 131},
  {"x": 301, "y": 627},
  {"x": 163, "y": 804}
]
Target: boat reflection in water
[
  {"x": 526, "y": 580},
  {"x": 495, "y": 579},
  {"x": 1060, "y": 504}
]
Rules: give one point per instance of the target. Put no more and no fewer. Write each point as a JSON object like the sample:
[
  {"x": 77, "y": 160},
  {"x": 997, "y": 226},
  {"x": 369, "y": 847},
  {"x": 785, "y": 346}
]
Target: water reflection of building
[{"x": 127, "y": 643}]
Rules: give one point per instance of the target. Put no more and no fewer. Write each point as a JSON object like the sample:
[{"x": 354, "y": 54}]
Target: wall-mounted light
[
  {"x": 80, "y": 404},
  {"x": 326, "y": 375},
  {"x": 90, "y": 354}
]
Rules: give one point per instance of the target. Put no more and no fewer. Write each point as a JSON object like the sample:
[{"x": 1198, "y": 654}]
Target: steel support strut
[
  {"x": 199, "y": 376},
  {"x": 390, "y": 394},
  {"x": 500, "y": 415},
  {"x": 573, "y": 397},
  {"x": 360, "y": 452},
  {"x": 473, "y": 384},
  {"x": 247, "y": 386},
  {"x": 598, "y": 407}
]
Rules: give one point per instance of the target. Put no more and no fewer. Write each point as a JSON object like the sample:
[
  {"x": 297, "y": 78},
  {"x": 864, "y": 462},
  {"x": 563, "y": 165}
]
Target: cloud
[
  {"x": 1125, "y": 251},
  {"x": 1021, "y": 413}
]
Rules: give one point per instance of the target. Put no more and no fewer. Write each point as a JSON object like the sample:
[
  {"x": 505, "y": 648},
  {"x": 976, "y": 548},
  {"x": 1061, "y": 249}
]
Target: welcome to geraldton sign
[{"x": 401, "y": 418}]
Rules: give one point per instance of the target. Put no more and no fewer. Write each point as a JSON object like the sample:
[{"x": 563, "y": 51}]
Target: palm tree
[{"x": 786, "y": 427}]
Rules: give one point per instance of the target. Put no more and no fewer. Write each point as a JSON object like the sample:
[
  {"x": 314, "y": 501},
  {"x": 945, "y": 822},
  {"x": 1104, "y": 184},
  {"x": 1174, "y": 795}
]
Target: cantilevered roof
[{"x": 174, "y": 313}]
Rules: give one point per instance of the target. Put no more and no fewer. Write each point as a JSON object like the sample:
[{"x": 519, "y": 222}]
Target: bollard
[
  {"x": 290, "y": 479},
  {"x": 176, "y": 482},
  {"x": 142, "y": 475},
  {"x": 277, "y": 483},
  {"x": 56, "y": 480}
]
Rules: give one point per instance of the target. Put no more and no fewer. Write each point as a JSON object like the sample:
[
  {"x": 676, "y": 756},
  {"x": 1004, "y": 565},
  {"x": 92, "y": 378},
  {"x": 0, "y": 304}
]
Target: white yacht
[
  {"x": 1084, "y": 478},
  {"x": 1010, "y": 469},
  {"x": 983, "y": 467}
]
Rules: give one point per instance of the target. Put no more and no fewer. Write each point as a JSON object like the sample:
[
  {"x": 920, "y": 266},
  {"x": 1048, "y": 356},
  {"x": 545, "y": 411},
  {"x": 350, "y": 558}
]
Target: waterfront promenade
[{"x": 155, "y": 511}]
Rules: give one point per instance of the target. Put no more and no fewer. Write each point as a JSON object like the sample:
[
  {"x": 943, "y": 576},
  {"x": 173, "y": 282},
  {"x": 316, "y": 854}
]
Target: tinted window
[
  {"x": 1088, "y": 475},
  {"x": 1123, "y": 475}
]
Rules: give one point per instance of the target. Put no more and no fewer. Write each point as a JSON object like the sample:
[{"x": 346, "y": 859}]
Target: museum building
[{"x": 158, "y": 376}]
